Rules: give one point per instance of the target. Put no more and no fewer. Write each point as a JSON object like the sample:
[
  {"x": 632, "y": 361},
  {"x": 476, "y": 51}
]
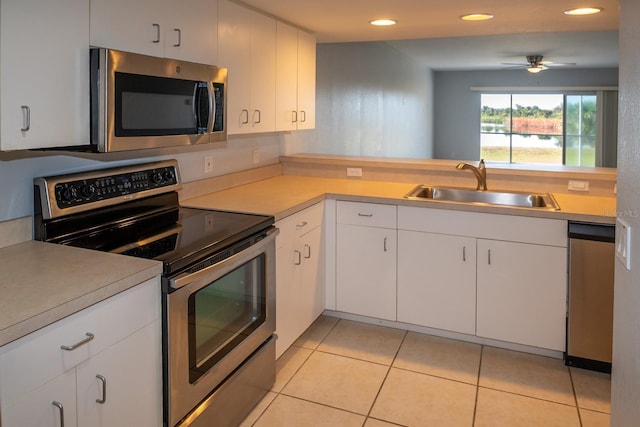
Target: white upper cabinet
[
  {"x": 295, "y": 79},
  {"x": 44, "y": 73},
  {"x": 185, "y": 30},
  {"x": 247, "y": 47}
]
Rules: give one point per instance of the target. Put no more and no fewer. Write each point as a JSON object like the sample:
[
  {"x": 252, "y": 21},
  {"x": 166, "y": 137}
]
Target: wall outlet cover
[
  {"x": 208, "y": 164},
  {"x": 623, "y": 243},
  {"x": 354, "y": 172},
  {"x": 578, "y": 185}
]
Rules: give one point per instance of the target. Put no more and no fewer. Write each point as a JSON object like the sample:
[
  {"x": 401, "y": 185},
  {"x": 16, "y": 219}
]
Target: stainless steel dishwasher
[{"x": 590, "y": 315}]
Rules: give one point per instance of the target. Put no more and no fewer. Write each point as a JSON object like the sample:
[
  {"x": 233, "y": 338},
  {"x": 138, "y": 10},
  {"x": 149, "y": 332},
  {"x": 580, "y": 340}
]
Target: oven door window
[
  {"x": 156, "y": 106},
  {"x": 224, "y": 313}
]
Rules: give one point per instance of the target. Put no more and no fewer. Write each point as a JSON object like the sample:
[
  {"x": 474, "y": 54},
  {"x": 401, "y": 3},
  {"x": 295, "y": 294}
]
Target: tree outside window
[{"x": 538, "y": 128}]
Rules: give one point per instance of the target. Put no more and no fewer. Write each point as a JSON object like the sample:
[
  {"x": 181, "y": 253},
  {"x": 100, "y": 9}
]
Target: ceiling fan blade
[{"x": 558, "y": 64}]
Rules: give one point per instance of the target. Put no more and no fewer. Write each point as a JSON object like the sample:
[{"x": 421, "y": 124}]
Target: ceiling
[{"x": 432, "y": 31}]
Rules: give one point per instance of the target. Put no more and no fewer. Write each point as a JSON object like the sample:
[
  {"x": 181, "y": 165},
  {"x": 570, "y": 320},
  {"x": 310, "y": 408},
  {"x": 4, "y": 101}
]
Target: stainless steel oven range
[{"x": 218, "y": 285}]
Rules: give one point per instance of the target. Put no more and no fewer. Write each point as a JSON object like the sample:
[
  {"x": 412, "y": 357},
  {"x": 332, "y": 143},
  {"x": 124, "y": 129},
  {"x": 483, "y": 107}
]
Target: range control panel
[{"x": 89, "y": 190}]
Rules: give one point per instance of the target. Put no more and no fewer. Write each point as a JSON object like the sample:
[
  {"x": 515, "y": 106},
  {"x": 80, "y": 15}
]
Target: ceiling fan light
[
  {"x": 534, "y": 70},
  {"x": 476, "y": 17},
  {"x": 383, "y": 22},
  {"x": 583, "y": 11}
]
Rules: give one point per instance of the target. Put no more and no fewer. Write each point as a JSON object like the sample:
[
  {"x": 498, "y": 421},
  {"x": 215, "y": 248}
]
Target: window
[{"x": 539, "y": 128}]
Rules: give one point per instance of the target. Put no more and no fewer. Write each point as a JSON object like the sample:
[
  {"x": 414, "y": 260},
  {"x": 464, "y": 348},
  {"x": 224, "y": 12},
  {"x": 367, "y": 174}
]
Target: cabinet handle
[
  {"x": 384, "y": 244},
  {"x": 307, "y": 251},
  {"x": 60, "y": 411},
  {"x": 157, "y": 39},
  {"x": 177, "y": 30},
  {"x": 298, "y": 259},
  {"x": 489, "y": 256},
  {"x": 304, "y": 116},
  {"x": 259, "y": 116},
  {"x": 103, "y": 380},
  {"x": 302, "y": 224},
  {"x": 26, "y": 118},
  {"x": 294, "y": 116},
  {"x": 89, "y": 337},
  {"x": 246, "y": 115},
  {"x": 464, "y": 254},
  {"x": 365, "y": 215}
]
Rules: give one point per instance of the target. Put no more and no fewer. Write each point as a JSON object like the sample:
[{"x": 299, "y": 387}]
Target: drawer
[
  {"x": 38, "y": 357},
  {"x": 367, "y": 214},
  {"x": 300, "y": 223},
  {"x": 541, "y": 231}
]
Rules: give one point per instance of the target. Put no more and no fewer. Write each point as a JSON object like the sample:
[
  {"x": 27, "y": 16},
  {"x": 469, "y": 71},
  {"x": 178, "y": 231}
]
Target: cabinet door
[
  {"x": 44, "y": 73},
  {"x": 192, "y": 31},
  {"x": 263, "y": 73},
  {"x": 522, "y": 293},
  {"x": 137, "y": 26},
  {"x": 306, "y": 80},
  {"x": 437, "y": 281},
  {"x": 287, "y": 298},
  {"x": 311, "y": 281},
  {"x": 234, "y": 38},
  {"x": 131, "y": 383},
  {"x": 366, "y": 271},
  {"x": 36, "y": 408},
  {"x": 286, "y": 77}
]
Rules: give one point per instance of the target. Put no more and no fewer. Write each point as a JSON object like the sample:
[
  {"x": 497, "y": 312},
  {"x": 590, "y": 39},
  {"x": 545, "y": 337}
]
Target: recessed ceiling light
[
  {"x": 383, "y": 22},
  {"x": 583, "y": 11},
  {"x": 476, "y": 17}
]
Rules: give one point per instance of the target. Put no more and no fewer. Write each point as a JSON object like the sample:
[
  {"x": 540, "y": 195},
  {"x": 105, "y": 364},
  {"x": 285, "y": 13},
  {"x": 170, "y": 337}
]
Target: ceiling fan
[{"x": 535, "y": 64}]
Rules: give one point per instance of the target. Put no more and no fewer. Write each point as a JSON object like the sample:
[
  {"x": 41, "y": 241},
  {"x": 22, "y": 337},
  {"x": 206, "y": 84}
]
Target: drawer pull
[
  {"x": 489, "y": 256},
  {"x": 179, "y": 32},
  {"x": 365, "y": 215},
  {"x": 298, "y": 257},
  {"x": 89, "y": 337},
  {"x": 464, "y": 254},
  {"x": 307, "y": 251},
  {"x": 60, "y": 410},
  {"x": 103, "y": 380},
  {"x": 302, "y": 224},
  {"x": 384, "y": 244}
]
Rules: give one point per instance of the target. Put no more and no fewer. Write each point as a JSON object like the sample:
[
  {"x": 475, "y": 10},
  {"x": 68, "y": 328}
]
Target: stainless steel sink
[{"x": 501, "y": 198}]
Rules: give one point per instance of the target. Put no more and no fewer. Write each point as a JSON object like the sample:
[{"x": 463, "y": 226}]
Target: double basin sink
[{"x": 543, "y": 201}]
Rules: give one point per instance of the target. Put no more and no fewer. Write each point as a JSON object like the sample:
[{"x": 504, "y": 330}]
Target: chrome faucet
[{"x": 480, "y": 172}]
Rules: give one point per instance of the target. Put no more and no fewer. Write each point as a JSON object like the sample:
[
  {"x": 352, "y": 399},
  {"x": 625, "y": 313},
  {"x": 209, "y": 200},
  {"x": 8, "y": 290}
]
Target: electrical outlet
[
  {"x": 208, "y": 164},
  {"x": 354, "y": 172},
  {"x": 578, "y": 185},
  {"x": 623, "y": 243}
]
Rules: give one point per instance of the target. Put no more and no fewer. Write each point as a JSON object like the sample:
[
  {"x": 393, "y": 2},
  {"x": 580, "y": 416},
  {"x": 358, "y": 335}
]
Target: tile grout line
[
  {"x": 280, "y": 392},
  {"x": 404, "y": 337},
  {"x": 475, "y": 405},
  {"x": 575, "y": 396}
]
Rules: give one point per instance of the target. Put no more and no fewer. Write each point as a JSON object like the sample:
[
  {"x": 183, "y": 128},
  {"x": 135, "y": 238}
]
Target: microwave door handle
[
  {"x": 197, "y": 112},
  {"x": 212, "y": 107}
]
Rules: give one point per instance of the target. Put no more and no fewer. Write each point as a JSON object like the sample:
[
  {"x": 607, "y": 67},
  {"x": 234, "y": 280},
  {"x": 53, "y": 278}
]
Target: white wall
[
  {"x": 625, "y": 398},
  {"x": 16, "y": 176},
  {"x": 372, "y": 100},
  {"x": 456, "y": 133}
]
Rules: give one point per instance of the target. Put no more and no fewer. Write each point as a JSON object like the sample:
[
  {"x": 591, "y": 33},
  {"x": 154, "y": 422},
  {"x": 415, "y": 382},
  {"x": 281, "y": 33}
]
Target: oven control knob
[
  {"x": 168, "y": 176},
  {"x": 157, "y": 178},
  {"x": 68, "y": 194},
  {"x": 87, "y": 190}
]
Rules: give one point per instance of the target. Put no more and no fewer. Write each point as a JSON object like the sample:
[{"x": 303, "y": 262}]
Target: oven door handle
[{"x": 229, "y": 264}]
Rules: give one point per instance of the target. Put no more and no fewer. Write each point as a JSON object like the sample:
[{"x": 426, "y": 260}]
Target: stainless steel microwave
[{"x": 140, "y": 102}]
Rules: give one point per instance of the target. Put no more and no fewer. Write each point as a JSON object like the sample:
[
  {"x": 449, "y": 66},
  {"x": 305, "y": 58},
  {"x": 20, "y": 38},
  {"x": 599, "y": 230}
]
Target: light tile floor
[{"x": 346, "y": 373}]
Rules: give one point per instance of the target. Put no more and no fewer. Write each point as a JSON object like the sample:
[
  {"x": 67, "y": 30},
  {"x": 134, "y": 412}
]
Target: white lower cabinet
[
  {"x": 300, "y": 296},
  {"x": 114, "y": 378},
  {"x": 501, "y": 277},
  {"x": 366, "y": 259},
  {"x": 522, "y": 293},
  {"x": 437, "y": 281}
]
